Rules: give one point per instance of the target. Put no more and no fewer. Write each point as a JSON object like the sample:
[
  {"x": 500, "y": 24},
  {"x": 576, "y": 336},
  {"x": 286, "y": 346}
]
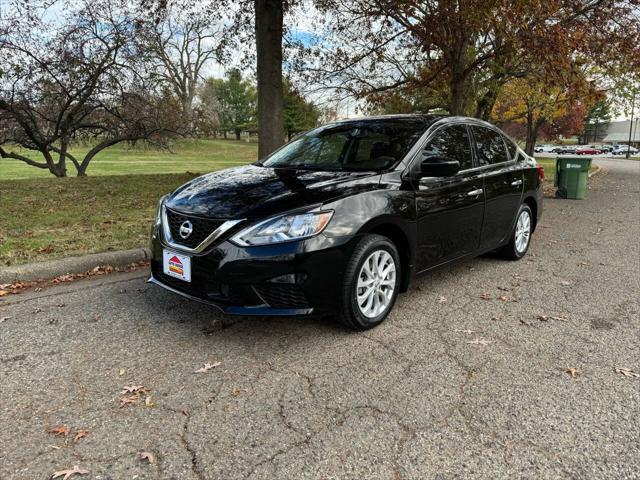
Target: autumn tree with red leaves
[{"x": 457, "y": 55}]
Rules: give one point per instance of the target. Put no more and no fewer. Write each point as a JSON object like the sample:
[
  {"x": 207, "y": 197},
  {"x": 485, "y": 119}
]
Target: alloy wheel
[
  {"x": 376, "y": 283},
  {"x": 523, "y": 231}
]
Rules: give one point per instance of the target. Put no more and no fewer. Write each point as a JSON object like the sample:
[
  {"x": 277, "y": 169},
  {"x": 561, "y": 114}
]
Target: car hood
[{"x": 253, "y": 191}]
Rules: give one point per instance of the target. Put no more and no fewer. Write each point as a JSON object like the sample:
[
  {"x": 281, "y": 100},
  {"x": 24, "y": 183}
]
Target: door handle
[
  {"x": 475, "y": 193},
  {"x": 515, "y": 183}
]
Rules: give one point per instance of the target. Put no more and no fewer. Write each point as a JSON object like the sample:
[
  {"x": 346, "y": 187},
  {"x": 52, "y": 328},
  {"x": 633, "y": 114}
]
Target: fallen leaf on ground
[
  {"x": 124, "y": 401},
  {"x": 122, "y": 371},
  {"x": 572, "y": 371},
  {"x": 546, "y": 318},
  {"x": 133, "y": 394},
  {"x": 235, "y": 391},
  {"x": 442, "y": 299},
  {"x": 627, "y": 372},
  {"x": 80, "y": 434},
  {"x": 565, "y": 283},
  {"x": 583, "y": 264},
  {"x": 208, "y": 366},
  {"x": 479, "y": 341},
  {"x": 504, "y": 298},
  {"x": 4, "y": 319},
  {"x": 3, "y": 293},
  {"x": 60, "y": 430},
  {"x": 148, "y": 456},
  {"x": 148, "y": 401},
  {"x": 76, "y": 470},
  {"x": 135, "y": 389},
  {"x": 486, "y": 296}
]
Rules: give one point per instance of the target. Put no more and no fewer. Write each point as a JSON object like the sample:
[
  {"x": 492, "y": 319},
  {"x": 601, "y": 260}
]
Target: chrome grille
[{"x": 202, "y": 228}]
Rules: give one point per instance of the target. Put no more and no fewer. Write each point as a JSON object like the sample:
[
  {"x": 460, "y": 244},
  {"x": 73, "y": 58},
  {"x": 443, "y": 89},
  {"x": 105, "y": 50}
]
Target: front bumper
[{"x": 294, "y": 278}]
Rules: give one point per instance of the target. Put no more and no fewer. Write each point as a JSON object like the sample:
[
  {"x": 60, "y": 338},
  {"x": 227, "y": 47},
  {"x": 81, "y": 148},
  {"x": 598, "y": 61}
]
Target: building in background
[{"x": 618, "y": 132}]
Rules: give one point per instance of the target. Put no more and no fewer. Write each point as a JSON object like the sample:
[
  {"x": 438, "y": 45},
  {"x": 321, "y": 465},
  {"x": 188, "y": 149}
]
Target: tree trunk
[
  {"x": 486, "y": 103},
  {"x": 58, "y": 169},
  {"x": 456, "y": 95},
  {"x": 224, "y": 134},
  {"x": 532, "y": 133},
  {"x": 269, "y": 15},
  {"x": 237, "y": 132}
]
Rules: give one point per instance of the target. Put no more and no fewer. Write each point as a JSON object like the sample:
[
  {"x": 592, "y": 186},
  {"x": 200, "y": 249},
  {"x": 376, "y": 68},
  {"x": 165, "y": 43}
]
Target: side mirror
[{"x": 436, "y": 166}]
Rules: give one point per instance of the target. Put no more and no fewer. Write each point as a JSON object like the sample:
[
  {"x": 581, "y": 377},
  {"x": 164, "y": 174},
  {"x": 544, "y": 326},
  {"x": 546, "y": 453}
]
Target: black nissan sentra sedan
[{"x": 341, "y": 219}]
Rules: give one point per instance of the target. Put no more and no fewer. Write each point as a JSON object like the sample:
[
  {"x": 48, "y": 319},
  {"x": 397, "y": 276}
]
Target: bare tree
[
  {"x": 180, "y": 45},
  {"x": 78, "y": 80}
]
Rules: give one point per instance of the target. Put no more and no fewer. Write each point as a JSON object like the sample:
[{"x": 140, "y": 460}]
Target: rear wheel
[
  {"x": 371, "y": 283},
  {"x": 521, "y": 236}
]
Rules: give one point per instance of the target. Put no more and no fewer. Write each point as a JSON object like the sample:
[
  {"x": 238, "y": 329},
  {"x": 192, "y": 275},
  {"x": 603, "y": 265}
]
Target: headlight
[
  {"x": 159, "y": 211},
  {"x": 283, "y": 229}
]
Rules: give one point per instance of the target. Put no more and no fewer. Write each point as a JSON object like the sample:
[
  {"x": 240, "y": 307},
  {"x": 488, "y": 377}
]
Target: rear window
[{"x": 512, "y": 148}]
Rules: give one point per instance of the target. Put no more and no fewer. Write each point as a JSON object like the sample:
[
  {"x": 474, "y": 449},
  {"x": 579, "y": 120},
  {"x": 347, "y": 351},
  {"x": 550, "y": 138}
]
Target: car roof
[{"x": 427, "y": 119}]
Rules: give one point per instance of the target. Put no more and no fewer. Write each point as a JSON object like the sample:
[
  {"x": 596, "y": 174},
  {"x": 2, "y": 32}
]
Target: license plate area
[{"x": 176, "y": 265}]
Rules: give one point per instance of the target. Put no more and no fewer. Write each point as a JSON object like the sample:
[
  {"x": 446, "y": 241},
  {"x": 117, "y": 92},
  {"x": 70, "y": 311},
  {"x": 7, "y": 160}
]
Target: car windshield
[{"x": 353, "y": 146}]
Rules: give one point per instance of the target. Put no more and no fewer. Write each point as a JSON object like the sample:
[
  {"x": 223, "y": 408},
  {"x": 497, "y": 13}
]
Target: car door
[
  {"x": 503, "y": 184},
  {"x": 449, "y": 209}
]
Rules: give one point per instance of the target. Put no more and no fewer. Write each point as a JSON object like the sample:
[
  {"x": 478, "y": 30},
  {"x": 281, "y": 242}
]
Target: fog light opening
[{"x": 290, "y": 278}]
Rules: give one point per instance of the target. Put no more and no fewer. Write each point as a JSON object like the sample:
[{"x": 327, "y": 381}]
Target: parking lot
[{"x": 489, "y": 369}]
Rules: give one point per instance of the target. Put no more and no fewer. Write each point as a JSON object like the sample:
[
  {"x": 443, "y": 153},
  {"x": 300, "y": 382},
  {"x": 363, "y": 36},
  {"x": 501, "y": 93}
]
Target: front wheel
[
  {"x": 521, "y": 236},
  {"x": 371, "y": 283}
]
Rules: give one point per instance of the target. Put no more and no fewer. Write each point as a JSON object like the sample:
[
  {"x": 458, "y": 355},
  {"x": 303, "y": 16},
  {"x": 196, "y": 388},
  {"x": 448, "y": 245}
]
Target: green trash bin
[{"x": 571, "y": 177}]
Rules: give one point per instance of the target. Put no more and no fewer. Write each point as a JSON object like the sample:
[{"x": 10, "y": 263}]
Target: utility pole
[{"x": 633, "y": 104}]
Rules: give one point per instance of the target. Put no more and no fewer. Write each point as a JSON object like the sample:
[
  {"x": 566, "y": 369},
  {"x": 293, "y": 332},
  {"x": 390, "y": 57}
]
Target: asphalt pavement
[{"x": 489, "y": 369}]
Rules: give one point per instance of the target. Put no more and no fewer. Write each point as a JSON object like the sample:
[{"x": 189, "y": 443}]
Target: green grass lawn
[
  {"x": 49, "y": 218},
  {"x": 197, "y": 156},
  {"x": 44, "y": 217}
]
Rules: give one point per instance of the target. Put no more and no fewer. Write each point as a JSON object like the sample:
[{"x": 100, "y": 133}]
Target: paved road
[{"x": 420, "y": 397}]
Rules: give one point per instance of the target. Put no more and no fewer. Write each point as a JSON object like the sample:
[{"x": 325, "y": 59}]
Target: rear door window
[{"x": 489, "y": 145}]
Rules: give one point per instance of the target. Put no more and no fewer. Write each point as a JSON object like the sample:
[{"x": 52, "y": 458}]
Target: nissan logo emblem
[{"x": 186, "y": 229}]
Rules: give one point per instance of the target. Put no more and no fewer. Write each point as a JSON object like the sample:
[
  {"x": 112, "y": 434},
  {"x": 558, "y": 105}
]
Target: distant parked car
[
  {"x": 564, "y": 150},
  {"x": 588, "y": 150},
  {"x": 605, "y": 148},
  {"x": 543, "y": 148},
  {"x": 622, "y": 150}
]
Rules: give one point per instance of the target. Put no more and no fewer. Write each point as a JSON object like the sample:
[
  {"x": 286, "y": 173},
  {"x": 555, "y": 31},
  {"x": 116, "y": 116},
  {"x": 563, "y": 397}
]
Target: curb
[
  {"x": 54, "y": 268},
  {"x": 596, "y": 171}
]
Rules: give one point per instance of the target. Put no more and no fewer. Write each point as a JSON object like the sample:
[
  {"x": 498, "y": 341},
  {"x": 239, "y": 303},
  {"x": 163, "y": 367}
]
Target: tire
[
  {"x": 517, "y": 247},
  {"x": 369, "y": 249}
]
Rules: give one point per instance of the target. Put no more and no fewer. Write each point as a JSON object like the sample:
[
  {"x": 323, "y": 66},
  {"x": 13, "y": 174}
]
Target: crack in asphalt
[{"x": 195, "y": 466}]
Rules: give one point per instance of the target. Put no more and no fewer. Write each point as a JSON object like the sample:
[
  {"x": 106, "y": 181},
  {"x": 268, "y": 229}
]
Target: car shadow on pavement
[{"x": 205, "y": 319}]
